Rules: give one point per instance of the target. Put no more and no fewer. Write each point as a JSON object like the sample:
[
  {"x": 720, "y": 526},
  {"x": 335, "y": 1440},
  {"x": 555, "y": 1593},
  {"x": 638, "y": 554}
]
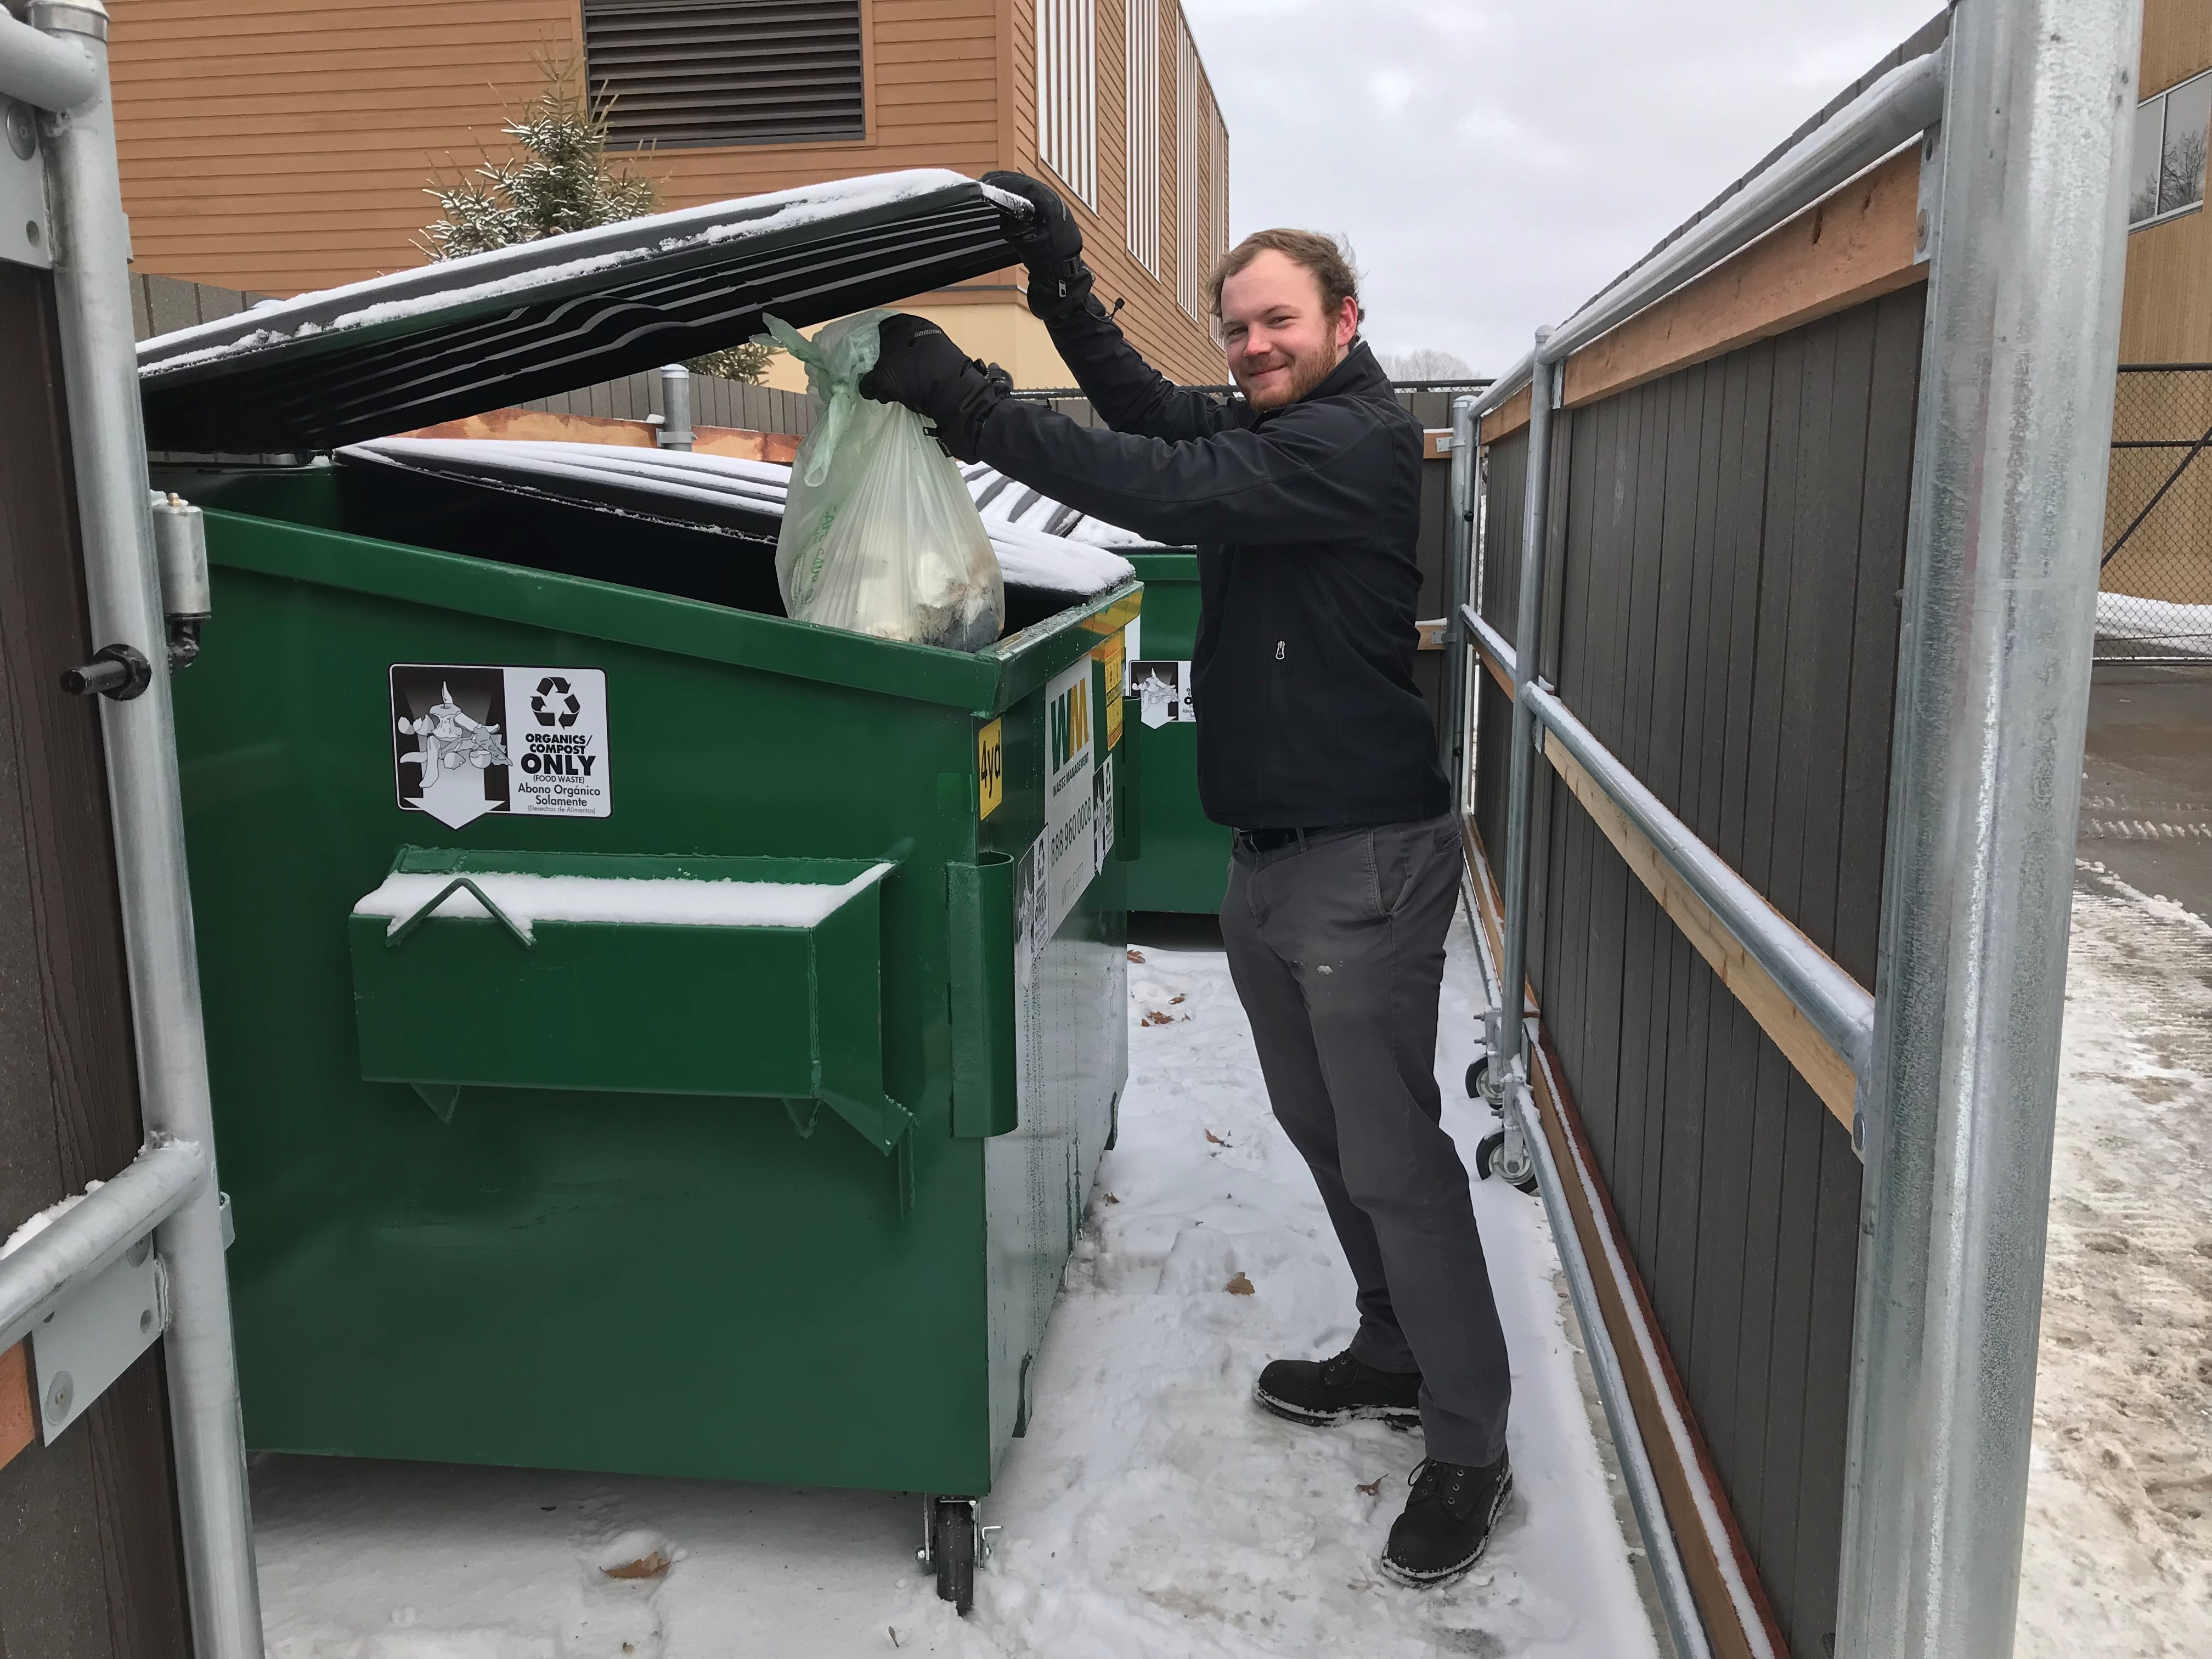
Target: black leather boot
[
  {"x": 1322, "y": 1392},
  {"x": 1447, "y": 1522}
]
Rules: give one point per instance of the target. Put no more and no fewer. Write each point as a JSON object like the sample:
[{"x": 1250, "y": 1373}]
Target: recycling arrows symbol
[{"x": 554, "y": 703}]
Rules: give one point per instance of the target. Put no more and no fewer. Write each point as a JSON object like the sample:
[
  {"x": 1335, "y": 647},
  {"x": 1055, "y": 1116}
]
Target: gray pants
[{"x": 1337, "y": 948}]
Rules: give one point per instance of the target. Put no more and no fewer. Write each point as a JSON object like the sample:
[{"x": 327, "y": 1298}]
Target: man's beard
[{"x": 1305, "y": 373}]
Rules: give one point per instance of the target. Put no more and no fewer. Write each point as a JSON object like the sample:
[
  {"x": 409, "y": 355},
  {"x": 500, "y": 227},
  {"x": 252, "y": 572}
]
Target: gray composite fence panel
[{"x": 1722, "y": 613}]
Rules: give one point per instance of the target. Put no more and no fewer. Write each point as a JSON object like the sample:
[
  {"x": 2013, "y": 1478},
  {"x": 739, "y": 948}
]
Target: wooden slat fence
[{"x": 1727, "y": 546}]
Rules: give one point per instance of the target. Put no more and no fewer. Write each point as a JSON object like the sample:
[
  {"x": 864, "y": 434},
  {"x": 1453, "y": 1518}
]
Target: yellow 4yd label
[{"x": 990, "y": 769}]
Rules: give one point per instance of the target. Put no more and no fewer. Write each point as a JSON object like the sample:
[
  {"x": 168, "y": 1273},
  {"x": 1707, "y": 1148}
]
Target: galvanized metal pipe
[
  {"x": 675, "y": 407},
  {"x": 42, "y": 1272},
  {"x": 92, "y": 287},
  {"x": 1502, "y": 389},
  {"x": 1838, "y": 1006},
  {"x": 1458, "y": 575},
  {"x": 49, "y": 71},
  {"x": 1902, "y": 104},
  {"x": 1898, "y": 107},
  {"x": 2015, "y": 411},
  {"x": 1676, "y": 1601},
  {"x": 1490, "y": 640},
  {"x": 1506, "y": 1033}
]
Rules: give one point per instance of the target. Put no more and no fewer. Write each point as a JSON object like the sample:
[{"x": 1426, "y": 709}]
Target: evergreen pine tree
[{"x": 562, "y": 180}]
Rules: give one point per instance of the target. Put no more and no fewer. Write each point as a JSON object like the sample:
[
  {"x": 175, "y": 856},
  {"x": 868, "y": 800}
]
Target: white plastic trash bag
[{"x": 879, "y": 534}]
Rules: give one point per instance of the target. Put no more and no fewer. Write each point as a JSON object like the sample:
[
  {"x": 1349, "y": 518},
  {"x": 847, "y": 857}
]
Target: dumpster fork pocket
[{"x": 641, "y": 974}]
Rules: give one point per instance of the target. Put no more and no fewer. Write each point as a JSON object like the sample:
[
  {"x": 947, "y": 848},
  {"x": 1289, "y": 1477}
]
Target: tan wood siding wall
[
  {"x": 2166, "y": 315},
  {"x": 281, "y": 145},
  {"x": 285, "y": 146},
  {"x": 2177, "y": 42},
  {"x": 1179, "y": 346}
]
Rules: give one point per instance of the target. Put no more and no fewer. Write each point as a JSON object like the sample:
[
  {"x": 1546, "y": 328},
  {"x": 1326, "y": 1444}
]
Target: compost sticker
[
  {"x": 1162, "y": 688},
  {"x": 469, "y": 740}
]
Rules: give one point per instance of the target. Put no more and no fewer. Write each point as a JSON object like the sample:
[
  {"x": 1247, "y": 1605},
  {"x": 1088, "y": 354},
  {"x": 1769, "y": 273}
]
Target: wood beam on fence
[
  {"x": 1814, "y": 1058},
  {"x": 1817, "y": 1061},
  {"x": 1856, "y": 245},
  {"x": 17, "y": 1423}
]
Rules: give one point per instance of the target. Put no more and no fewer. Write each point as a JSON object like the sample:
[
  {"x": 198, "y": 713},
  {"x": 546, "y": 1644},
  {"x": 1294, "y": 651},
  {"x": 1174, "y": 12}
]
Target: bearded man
[{"x": 1315, "y": 746}]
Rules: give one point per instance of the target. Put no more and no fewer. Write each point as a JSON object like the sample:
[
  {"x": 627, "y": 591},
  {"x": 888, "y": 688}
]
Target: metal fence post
[
  {"x": 92, "y": 252},
  {"x": 1459, "y": 566},
  {"x": 675, "y": 408},
  {"x": 1507, "y": 1019},
  {"x": 2001, "y": 576}
]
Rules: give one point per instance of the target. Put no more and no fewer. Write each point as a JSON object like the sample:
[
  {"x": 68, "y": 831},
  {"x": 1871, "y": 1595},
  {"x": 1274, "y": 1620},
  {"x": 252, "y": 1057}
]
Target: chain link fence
[{"x": 2154, "y": 603}]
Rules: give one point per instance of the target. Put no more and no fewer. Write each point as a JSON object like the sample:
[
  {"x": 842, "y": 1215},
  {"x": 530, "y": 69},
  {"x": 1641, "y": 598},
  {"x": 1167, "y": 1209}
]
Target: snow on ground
[
  {"x": 2185, "y": 628},
  {"x": 2119, "y": 1552},
  {"x": 1152, "y": 1512}
]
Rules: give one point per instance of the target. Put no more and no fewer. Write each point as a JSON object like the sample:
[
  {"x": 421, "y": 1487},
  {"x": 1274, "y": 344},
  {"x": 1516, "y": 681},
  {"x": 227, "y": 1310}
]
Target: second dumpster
[{"x": 1181, "y": 860}]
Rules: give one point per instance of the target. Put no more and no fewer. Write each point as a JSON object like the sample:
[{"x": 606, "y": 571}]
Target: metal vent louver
[{"x": 677, "y": 73}]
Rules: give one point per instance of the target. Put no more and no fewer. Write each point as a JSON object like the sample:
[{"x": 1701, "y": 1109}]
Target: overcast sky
[{"x": 1495, "y": 162}]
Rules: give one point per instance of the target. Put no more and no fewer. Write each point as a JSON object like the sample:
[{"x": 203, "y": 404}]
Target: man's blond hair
[{"x": 1328, "y": 258}]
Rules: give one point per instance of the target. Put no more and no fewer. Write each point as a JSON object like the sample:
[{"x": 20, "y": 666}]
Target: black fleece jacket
[{"x": 1305, "y": 519}]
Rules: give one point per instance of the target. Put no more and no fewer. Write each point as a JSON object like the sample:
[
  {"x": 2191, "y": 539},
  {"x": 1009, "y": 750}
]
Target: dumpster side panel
[
  {"x": 1072, "y": 1003},
  {"x": 1185, "y": 862},
  {"x": 713, "y": 1287}
]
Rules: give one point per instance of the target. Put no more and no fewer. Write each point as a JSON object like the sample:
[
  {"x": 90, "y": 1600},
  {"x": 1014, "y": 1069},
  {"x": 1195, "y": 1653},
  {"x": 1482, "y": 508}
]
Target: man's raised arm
[{"x": 1127, "y": 393}]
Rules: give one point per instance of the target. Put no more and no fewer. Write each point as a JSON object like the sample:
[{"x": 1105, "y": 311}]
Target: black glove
[
  {"x": 1050, "y": 243},
  {"x": 918, "y": 365}
]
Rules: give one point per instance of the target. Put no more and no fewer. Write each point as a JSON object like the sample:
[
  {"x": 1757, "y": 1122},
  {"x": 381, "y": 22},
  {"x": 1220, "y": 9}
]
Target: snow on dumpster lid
[
  {"x": 705, "y": 492},
  {"x": 1002, "y": 500},
  {"x": 448, "y": 340}
]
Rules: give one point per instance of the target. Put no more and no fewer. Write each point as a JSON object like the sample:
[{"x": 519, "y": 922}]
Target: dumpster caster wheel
[
  {"x": 952, "y": 1532},
  {"x": 1488, "y": 1162},
  {"x": 1477, "y": 1075}
]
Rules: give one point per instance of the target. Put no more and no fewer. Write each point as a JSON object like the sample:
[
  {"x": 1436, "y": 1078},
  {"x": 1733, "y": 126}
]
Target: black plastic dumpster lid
[{"x": 448, "y": 340}]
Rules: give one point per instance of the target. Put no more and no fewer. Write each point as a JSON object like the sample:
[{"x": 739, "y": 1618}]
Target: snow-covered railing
[{"x": 56, "y": 1260}]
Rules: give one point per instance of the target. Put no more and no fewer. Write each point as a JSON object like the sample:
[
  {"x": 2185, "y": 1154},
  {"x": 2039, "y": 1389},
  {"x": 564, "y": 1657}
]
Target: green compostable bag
[{"x": 879, "y": 535}]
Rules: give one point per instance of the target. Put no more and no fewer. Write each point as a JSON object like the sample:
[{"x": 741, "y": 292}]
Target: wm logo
[{"x": 1070, "y": 718}]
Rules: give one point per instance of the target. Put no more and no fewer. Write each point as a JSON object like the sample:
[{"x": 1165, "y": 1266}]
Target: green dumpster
[
  {"x": 1180, "y": 858},
  {"x": 647, "y": 1034},
  {"x": 1184, "y": 861}
]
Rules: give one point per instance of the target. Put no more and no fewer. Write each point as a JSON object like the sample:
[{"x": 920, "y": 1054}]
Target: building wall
[
  {"x": 283, "y": 145},
  {"x": 2166, "y": 315},
  {"x": 2166, "y": 318}
]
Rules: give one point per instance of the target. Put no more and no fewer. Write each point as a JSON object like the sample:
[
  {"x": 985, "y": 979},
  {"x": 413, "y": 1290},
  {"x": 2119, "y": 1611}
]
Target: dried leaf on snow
[{"x": 649, "y": 1567}]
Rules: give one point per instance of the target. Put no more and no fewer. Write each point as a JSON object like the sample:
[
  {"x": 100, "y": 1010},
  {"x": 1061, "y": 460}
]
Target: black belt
[{"x": 1268, "y": 841}]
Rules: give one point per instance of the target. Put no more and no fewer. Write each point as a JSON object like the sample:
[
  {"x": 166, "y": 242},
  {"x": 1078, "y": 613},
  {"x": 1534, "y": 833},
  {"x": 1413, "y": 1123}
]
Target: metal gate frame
[
  {"x": 57, "y": 63},
  {"x": 2020, "y": 117}
]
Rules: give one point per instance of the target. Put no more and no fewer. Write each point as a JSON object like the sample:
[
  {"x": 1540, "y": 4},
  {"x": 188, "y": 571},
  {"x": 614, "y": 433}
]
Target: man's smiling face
[{"x": 1280, "y": 343}]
